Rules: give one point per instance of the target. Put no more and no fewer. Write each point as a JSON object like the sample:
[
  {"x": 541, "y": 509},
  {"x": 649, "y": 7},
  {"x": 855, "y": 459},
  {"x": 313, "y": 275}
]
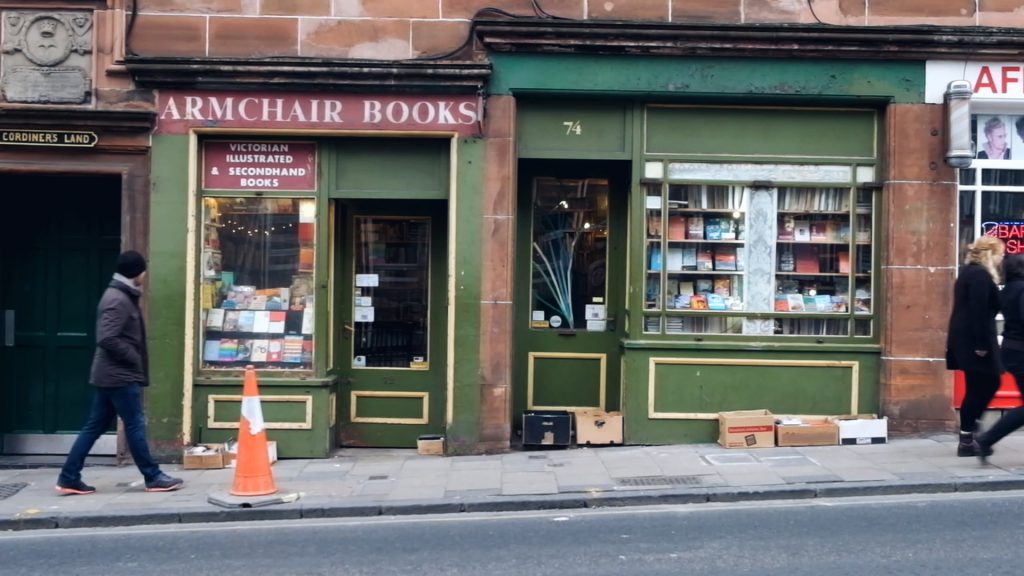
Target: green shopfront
[
  {"x": 697, "y": 235},
  {"x": 313, "y": 237}
]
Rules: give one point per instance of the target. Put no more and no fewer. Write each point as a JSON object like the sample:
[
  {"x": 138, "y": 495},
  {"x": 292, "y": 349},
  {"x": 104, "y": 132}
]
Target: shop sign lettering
[
  {"x": 48, "y": 138},
  {"x": 259, "y": 165},
  {"x": 179, "y": 112},
  {"x": 1011, "y": 233}
]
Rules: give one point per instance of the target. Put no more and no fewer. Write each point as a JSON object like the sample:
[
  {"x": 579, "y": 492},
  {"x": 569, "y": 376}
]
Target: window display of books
[
  {"x": 269, "y": 325},
  {"x": 812, "y": 257}
]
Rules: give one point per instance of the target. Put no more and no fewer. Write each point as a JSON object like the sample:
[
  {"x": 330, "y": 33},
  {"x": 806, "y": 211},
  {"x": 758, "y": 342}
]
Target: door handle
[
  {"x": 9, "y": 328},
  {"x": 347, "y": 330}
]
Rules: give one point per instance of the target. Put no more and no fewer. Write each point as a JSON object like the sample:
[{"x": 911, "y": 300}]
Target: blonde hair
[{"x": 985, "y": 252}]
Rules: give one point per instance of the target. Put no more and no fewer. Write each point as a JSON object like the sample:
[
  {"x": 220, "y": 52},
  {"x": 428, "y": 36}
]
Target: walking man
[{"x": 120, "y": 370}]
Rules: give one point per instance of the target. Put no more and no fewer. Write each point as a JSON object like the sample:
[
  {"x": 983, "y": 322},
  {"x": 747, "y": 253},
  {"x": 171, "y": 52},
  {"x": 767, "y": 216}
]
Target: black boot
[
  {"x": 965, "y": 448},
  {"x": 982, "y": 449}
]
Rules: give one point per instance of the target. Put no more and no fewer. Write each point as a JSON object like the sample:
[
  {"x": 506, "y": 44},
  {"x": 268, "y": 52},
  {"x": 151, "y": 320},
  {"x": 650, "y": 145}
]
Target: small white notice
[
  {"x": 597, "y": 325},
  {"x": 364, "y": 301},
  {"x": 364, "y": 313},
  {"x": 653, "y": 202},
  {"x": 369, "y": 280},
  {"x": 538, "y": 316},
  {"x": 595, "y": 312}
]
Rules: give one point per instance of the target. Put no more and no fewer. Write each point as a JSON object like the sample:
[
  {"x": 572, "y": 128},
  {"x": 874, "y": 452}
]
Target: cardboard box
[
  {"x": 598, "y": 427},
  {"x": 816, "y": 432},
  {"x": 203, "y": 457},
  {"x": 746, "y": 429},
  {"x": 862, "y": 429},
  {"x": 430, "y": 445},
  {"x": 547, "y": 428},
  {"x": 231, "y": 453}
]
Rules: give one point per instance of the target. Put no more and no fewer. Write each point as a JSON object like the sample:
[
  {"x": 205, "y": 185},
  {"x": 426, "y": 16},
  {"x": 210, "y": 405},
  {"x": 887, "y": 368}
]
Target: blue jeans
[{"x": 123, "y": 401}]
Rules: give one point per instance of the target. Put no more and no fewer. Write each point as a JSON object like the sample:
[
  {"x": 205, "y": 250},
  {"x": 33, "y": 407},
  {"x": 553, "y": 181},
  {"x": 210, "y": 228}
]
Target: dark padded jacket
[
  {"x": 972, "y": 325},
  {"x": 121, "y": 357}
]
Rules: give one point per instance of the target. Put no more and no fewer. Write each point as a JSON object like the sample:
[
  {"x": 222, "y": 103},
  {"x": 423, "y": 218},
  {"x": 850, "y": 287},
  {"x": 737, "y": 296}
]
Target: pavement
[{"x": 375, "y": 482}]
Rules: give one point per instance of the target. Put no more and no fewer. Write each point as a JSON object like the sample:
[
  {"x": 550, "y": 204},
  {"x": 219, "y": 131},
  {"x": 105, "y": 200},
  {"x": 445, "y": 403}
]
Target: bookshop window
[
  {"x": 391, "y": 292},
  {"x": 570, "y": 243},
  {"x": 257, "y": 283},
  {"x": 723, "y": 259}
]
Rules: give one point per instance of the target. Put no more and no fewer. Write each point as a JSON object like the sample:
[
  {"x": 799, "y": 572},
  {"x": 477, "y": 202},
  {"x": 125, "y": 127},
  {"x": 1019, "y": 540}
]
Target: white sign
[
  {"x": 367, "y": 280},
  {"x": 364, "y": 313},
  {"x": 990, "y": 81}
]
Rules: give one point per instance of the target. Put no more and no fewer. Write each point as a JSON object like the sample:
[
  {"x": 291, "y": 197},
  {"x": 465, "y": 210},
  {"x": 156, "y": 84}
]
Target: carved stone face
[{"x": 47, "y": 41}]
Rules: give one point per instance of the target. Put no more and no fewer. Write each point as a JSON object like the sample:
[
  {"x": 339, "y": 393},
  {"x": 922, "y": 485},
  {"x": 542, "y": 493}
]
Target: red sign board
[
  {"x": 259, "y": 165},
  {"x": 179, "y": 112}
]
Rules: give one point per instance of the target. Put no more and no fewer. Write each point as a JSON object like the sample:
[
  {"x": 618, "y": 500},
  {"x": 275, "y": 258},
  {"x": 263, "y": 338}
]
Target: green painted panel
[
  {"x": 165, "y": 297},
  {"x": 273, "y": 411},
  {"x": 390, "y": 168},
  {"x": 389, "y": 407},
  {"x": 566, "y": 382},
  {"x": 574, "y": 130},
  {"x": 310, "y": 443},
  {"x": 775, "y": 80},
  {"x": 464, "y": 430},
  {"x": 781, "y": 389},
  {"x": 712, "y": 387},
  {"x": 727, "y": 131}
]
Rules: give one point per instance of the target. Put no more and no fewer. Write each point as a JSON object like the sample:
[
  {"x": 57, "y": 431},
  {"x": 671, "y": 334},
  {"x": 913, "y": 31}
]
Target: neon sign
[{"x": 1011, "y": 233}]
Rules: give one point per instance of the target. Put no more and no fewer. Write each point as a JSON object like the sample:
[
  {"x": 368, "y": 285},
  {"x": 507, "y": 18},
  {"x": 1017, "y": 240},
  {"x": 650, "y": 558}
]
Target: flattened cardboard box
[
  {"x": 430, "y": 445},
  {"x": 816, "y": 432},
  {"x": 862, "y": 429},
  {"x": 210, "y": 459},
  {"x": 746, "y": 429}
]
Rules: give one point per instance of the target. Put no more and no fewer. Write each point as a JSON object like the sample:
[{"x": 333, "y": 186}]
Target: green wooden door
[
  {"x": 390, "y": 320},
  {"x": 570, "y": 283},
  {"x": 58, "y": 242}
]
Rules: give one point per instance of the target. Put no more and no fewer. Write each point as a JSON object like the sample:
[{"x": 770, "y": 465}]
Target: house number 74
[{"x": 573, "y": 127}]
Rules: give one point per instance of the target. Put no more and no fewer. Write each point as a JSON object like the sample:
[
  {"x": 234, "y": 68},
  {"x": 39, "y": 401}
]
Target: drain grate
[
  {"x": 10, "y": 489},
  {"x": 379, "y": 477},
  {"x": 537, "y": 457},
  {"x": 661, "y": 481}
]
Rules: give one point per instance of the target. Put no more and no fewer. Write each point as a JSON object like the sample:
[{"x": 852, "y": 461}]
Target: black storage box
[{"x": 547, "y": 428}]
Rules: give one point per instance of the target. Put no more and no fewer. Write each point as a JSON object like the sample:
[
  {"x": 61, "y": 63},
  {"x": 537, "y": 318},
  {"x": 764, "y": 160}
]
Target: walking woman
[
  {"x": 971, "y": 343},
  {"x": 1012, "y": 353}
]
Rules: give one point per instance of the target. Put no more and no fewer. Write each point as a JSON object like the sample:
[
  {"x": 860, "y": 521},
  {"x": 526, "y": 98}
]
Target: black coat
[
  {"x": 121, "y": 357},
  {"x": 972, "y": 325}
]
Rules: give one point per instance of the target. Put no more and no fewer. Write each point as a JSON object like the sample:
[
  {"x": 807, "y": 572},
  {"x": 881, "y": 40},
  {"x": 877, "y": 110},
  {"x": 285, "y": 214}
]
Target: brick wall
[{"x": 403, "y": 29}]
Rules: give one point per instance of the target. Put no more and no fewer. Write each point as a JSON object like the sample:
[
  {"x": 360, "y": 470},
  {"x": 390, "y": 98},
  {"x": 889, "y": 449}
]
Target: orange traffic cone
[{"x": 252, "y": 467}]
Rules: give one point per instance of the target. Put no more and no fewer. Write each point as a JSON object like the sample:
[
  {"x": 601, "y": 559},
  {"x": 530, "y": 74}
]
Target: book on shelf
[
  {"x": 729, "y": 228},
  {"x": 823, "y": 302},
  {"x": 653, "y": 292},
  {"x": 244, "y": 353},
  {"x": 787, "y": 228},
  {"x": 705, "y": 259},
  {"x": 843, "y": 257},
  {"x": 686, "y": 288},
  {"x": 676, "y": 227},
  {"x": 844, "y": 232},
  {"x": 716, "y": 302},
  {"x": 695, "y": 228},
  {"x": 276, "y": 323},
  {"x": 725, "y": 258},
  {"x": 839, "y": 303},
  {"x": 787, "y": 262},
  {"x": 781, "y": 303},
  {"x": 810, "y": 304},
  {"x": 259, "y": 350},
  {"x": 723, "y": 286},
  {"x": 673, "y": 259},
  {"x": 261, "y": 321},
  {"x": 215, "y": 319},
  {"x": 796, "y": 302},
  {"x": 228, "y": 349},
  {"x": 246, "y": 319},
  {"x": 699, "y": 302},
  {"x": 231, "y": 320},
  {"x": 713, "y": 228},
  {"x": 806, "y": 260},
  {"x": 291, "y": 351},
  {"x": 274, "y": 350},
  {"x": 689, "y": 258},
  {"x": 832, "y": 231},
  {"x": 819, "y": 231},
  {"x": 680, "y": 302},
  {"x": 671, "y": 287},
  {"x": 211, "y": 351},
  {"x": 704, "y": 286},
  {"x": 654, "y": 224},
  {"x": 801, "y": 231},
  {"x": 655, "y": 263}
]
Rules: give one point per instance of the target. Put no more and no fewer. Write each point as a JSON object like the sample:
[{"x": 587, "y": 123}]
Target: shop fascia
[
  {"x": 349, "y": 111},
  {"x": 992, "y": 83}
]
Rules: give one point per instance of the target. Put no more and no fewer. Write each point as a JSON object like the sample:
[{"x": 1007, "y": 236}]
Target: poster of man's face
[{"x": 999, "y": 137}]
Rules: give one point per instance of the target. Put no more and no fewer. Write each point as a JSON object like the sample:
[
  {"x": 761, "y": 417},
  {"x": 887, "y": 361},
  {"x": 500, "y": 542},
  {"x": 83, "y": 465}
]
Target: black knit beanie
[{"x": 130, "y": 264}]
